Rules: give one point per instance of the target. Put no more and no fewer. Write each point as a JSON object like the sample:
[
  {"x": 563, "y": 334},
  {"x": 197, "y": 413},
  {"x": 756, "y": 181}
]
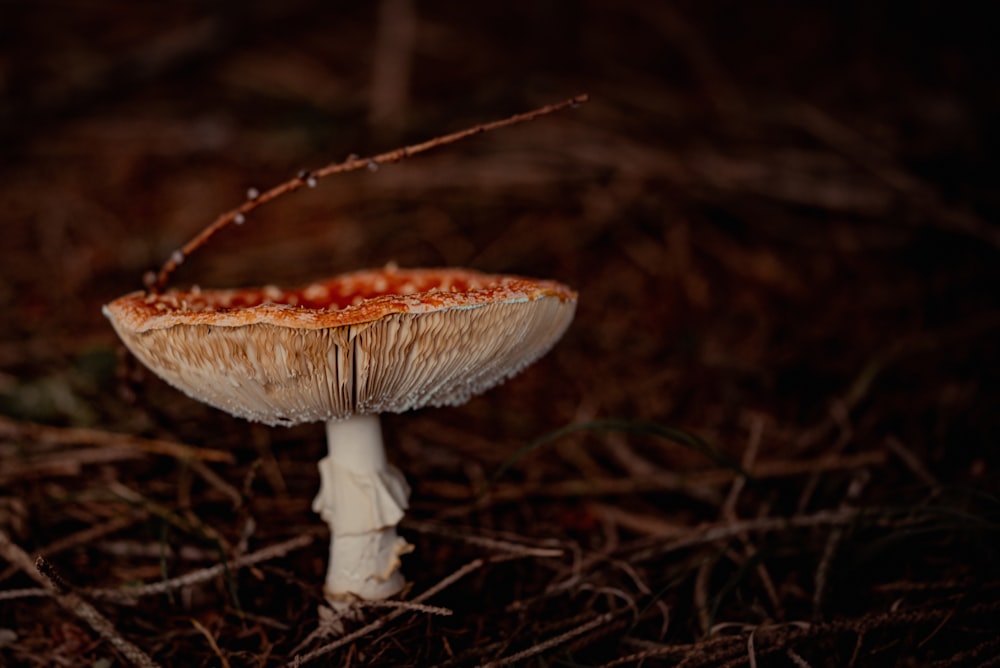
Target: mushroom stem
[{"x": 362, "y": 497}]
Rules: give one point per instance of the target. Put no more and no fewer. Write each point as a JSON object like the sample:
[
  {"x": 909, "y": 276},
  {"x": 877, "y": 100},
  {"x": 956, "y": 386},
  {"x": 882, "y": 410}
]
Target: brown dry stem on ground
[{"x": 769, "y": 438}]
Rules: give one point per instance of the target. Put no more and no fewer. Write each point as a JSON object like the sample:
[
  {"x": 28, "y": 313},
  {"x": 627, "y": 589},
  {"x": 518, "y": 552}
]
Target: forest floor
[{"x": 782, "y": 227}]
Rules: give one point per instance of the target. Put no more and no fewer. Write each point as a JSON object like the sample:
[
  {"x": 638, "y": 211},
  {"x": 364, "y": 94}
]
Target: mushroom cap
[{"x": 374, "y": 341}]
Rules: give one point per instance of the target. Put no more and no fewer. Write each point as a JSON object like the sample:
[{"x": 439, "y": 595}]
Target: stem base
[{"x": 361, "y": 498}]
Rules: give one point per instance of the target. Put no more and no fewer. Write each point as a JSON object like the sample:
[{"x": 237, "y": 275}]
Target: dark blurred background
[
  {"x": 776, "y": 195},
  {"x": 778, "y": 214}
]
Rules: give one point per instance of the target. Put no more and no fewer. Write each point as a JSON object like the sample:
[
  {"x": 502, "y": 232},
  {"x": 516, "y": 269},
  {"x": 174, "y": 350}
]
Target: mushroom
[{"x": 343, "y": 351}]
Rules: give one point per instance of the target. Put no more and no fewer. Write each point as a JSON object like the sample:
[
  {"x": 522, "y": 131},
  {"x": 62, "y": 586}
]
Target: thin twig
[
  {"x": 66, "y": 463},
  {"x": 643, "y": 523},
  {"x": 267, "y": 463},
  {"x": 216, "y": 481},
  {"x": 446, "y": 582},
  {"x": 796, "y": 658},
  {"x": 27, "y": 592},
  {"x": 187, "y": 521},
  {"x": 157, "y": 282},
  {"x": 561, "y": 639},
  {"x": 664, "y": 481},
  {"x": 833, "y": 541},
  {"x": 45, "y": 575},
  {"x": 21, "y": 559},
  {"x": 467, "y": 535},
  {"x": 80, "y": 436},
  {"x": 749, "y": 459},
  {"x": 839, "y": 417},
  {"x": 385, "y": 619},
  {"x": 701, "y": 581},
  {"x": 770, "y": 638},
  {"x": 408, "y": 605},
  {"x": 968, "y": 656},
  {"x": 729, "y": 512},
  {"x": 709, "y": 533},
  {"x": 87, "y": 536},
  {"x": 867, "y": 154},
  {"x": 907, "y": 586},
  {"x": 912, "y": 462},
  {"x": 211, "y": 641},
  {"x": 129, "y": 594},
  {"x": 751, "y": 651}
]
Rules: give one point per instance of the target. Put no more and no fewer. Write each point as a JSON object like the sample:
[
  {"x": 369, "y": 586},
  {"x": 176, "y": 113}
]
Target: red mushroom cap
[{"x": 374, "y": 341}]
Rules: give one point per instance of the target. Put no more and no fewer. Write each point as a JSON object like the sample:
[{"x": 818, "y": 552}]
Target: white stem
[{"x": 362, "y": 498}]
